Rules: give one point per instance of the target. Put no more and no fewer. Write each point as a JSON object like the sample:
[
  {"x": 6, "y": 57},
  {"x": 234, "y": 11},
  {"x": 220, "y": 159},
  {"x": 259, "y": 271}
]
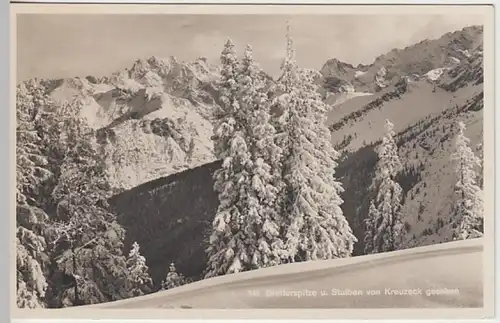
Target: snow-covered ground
[
  {"x": 435, "y": 74},
  {"x": 438, "y": 276},
  {"x": 337, "y": 99},
  {"x": 359, "y": 73}
]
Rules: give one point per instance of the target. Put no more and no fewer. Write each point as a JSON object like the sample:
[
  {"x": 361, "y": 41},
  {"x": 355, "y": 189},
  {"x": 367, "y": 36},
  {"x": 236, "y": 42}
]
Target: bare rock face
[
  {"x": 418, "y": 59},
  {"x": 153, "y": 119}
]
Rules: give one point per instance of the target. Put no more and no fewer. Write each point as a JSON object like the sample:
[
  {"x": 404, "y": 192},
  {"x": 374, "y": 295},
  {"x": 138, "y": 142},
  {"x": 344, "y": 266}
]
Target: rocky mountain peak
[
  {"x": 445, "y": 52},
  {"x": 336, "y": 65}
]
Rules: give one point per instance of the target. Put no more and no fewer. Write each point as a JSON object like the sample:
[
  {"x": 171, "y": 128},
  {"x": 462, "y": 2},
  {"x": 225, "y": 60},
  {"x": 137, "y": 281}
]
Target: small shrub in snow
[
  {"x": 138, "y": 277},
  {"x": 173, "y": 279}
]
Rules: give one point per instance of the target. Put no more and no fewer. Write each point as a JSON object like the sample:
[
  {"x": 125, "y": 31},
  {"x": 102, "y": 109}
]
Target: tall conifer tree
[
  {"x": 384, "y": 227},
  {"x": 226, "y": 243},
  {"x": 315, "y": 227},
  {"x": 31, "y": 173},
  {"x": 245, "y": 231},
  {"x": 88, "y": 240},
  {"x": 468, "y": 207}
]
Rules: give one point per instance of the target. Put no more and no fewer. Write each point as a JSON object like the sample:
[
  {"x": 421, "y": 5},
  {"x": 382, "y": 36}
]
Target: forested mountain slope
[{"x": 185, "y": 203}]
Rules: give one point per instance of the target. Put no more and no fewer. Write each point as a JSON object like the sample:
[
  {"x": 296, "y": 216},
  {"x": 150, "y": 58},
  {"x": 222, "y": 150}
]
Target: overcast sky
[{"x": 57, "y": 46}]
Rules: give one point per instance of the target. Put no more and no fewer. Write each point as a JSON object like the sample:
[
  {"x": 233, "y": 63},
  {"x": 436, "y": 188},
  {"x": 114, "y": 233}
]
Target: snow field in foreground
[{"x": 439, "y": 276}]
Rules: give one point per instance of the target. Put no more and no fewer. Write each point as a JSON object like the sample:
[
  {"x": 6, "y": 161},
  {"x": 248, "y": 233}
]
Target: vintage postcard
[{"x": 252, "y": 161}]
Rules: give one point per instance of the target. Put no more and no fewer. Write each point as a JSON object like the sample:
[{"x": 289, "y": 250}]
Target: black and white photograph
[{"x": 252, "y": 161}]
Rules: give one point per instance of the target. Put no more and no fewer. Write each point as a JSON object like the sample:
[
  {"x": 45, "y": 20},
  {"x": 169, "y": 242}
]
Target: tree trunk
[{"x": 77, "y": 300}]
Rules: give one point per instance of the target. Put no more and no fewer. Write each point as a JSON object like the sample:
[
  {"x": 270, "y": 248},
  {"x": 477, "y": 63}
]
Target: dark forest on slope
[{"x": 169, "y": 217}]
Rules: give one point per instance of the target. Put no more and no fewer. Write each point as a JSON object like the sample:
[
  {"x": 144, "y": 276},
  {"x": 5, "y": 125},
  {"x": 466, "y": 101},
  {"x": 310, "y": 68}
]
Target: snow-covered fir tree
[
  {"x": 31, "y": 165},
  {"x": 227, "y": 238},
  {"x": 173, "y": 278},
  {"x": 31, "y": 281},
  {"x": 480, "y": 173},
  {"x": 225, "y": 119},
  {"x": 384, "y": 225},
  {"x": 315, "y": 227},
  {"x": 245, "y": 233},
  {"x": 264, "y": 245},
  {"x": 370, "y": 228},
  {"x": 468, "y": 206},
  {"x": 140, "y": 282},
  {"x": 31, "y": 173},
  {"x": 87, "y": 239}
]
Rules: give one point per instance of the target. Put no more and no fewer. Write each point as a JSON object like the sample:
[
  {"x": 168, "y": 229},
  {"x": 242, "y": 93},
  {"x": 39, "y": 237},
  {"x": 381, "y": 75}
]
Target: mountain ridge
[
  {"x": 160, "y": 111},
  {"x": 414, "y": 59}
]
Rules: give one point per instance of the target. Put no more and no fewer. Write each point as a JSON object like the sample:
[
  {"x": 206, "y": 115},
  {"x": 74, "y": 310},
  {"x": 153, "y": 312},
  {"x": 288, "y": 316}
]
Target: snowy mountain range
[
  {"x": 156, "y": 115},
  {"x": 155, "y": 120},
  {"x": 387, "y": 69}
]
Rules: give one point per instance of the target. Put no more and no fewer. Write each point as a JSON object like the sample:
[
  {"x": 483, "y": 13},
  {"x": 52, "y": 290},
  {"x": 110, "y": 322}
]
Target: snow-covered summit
[
  {"x": 173, "y": 73},
  {"x": 451, "y": 49},
  {"x": 155, "y": 115}
]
